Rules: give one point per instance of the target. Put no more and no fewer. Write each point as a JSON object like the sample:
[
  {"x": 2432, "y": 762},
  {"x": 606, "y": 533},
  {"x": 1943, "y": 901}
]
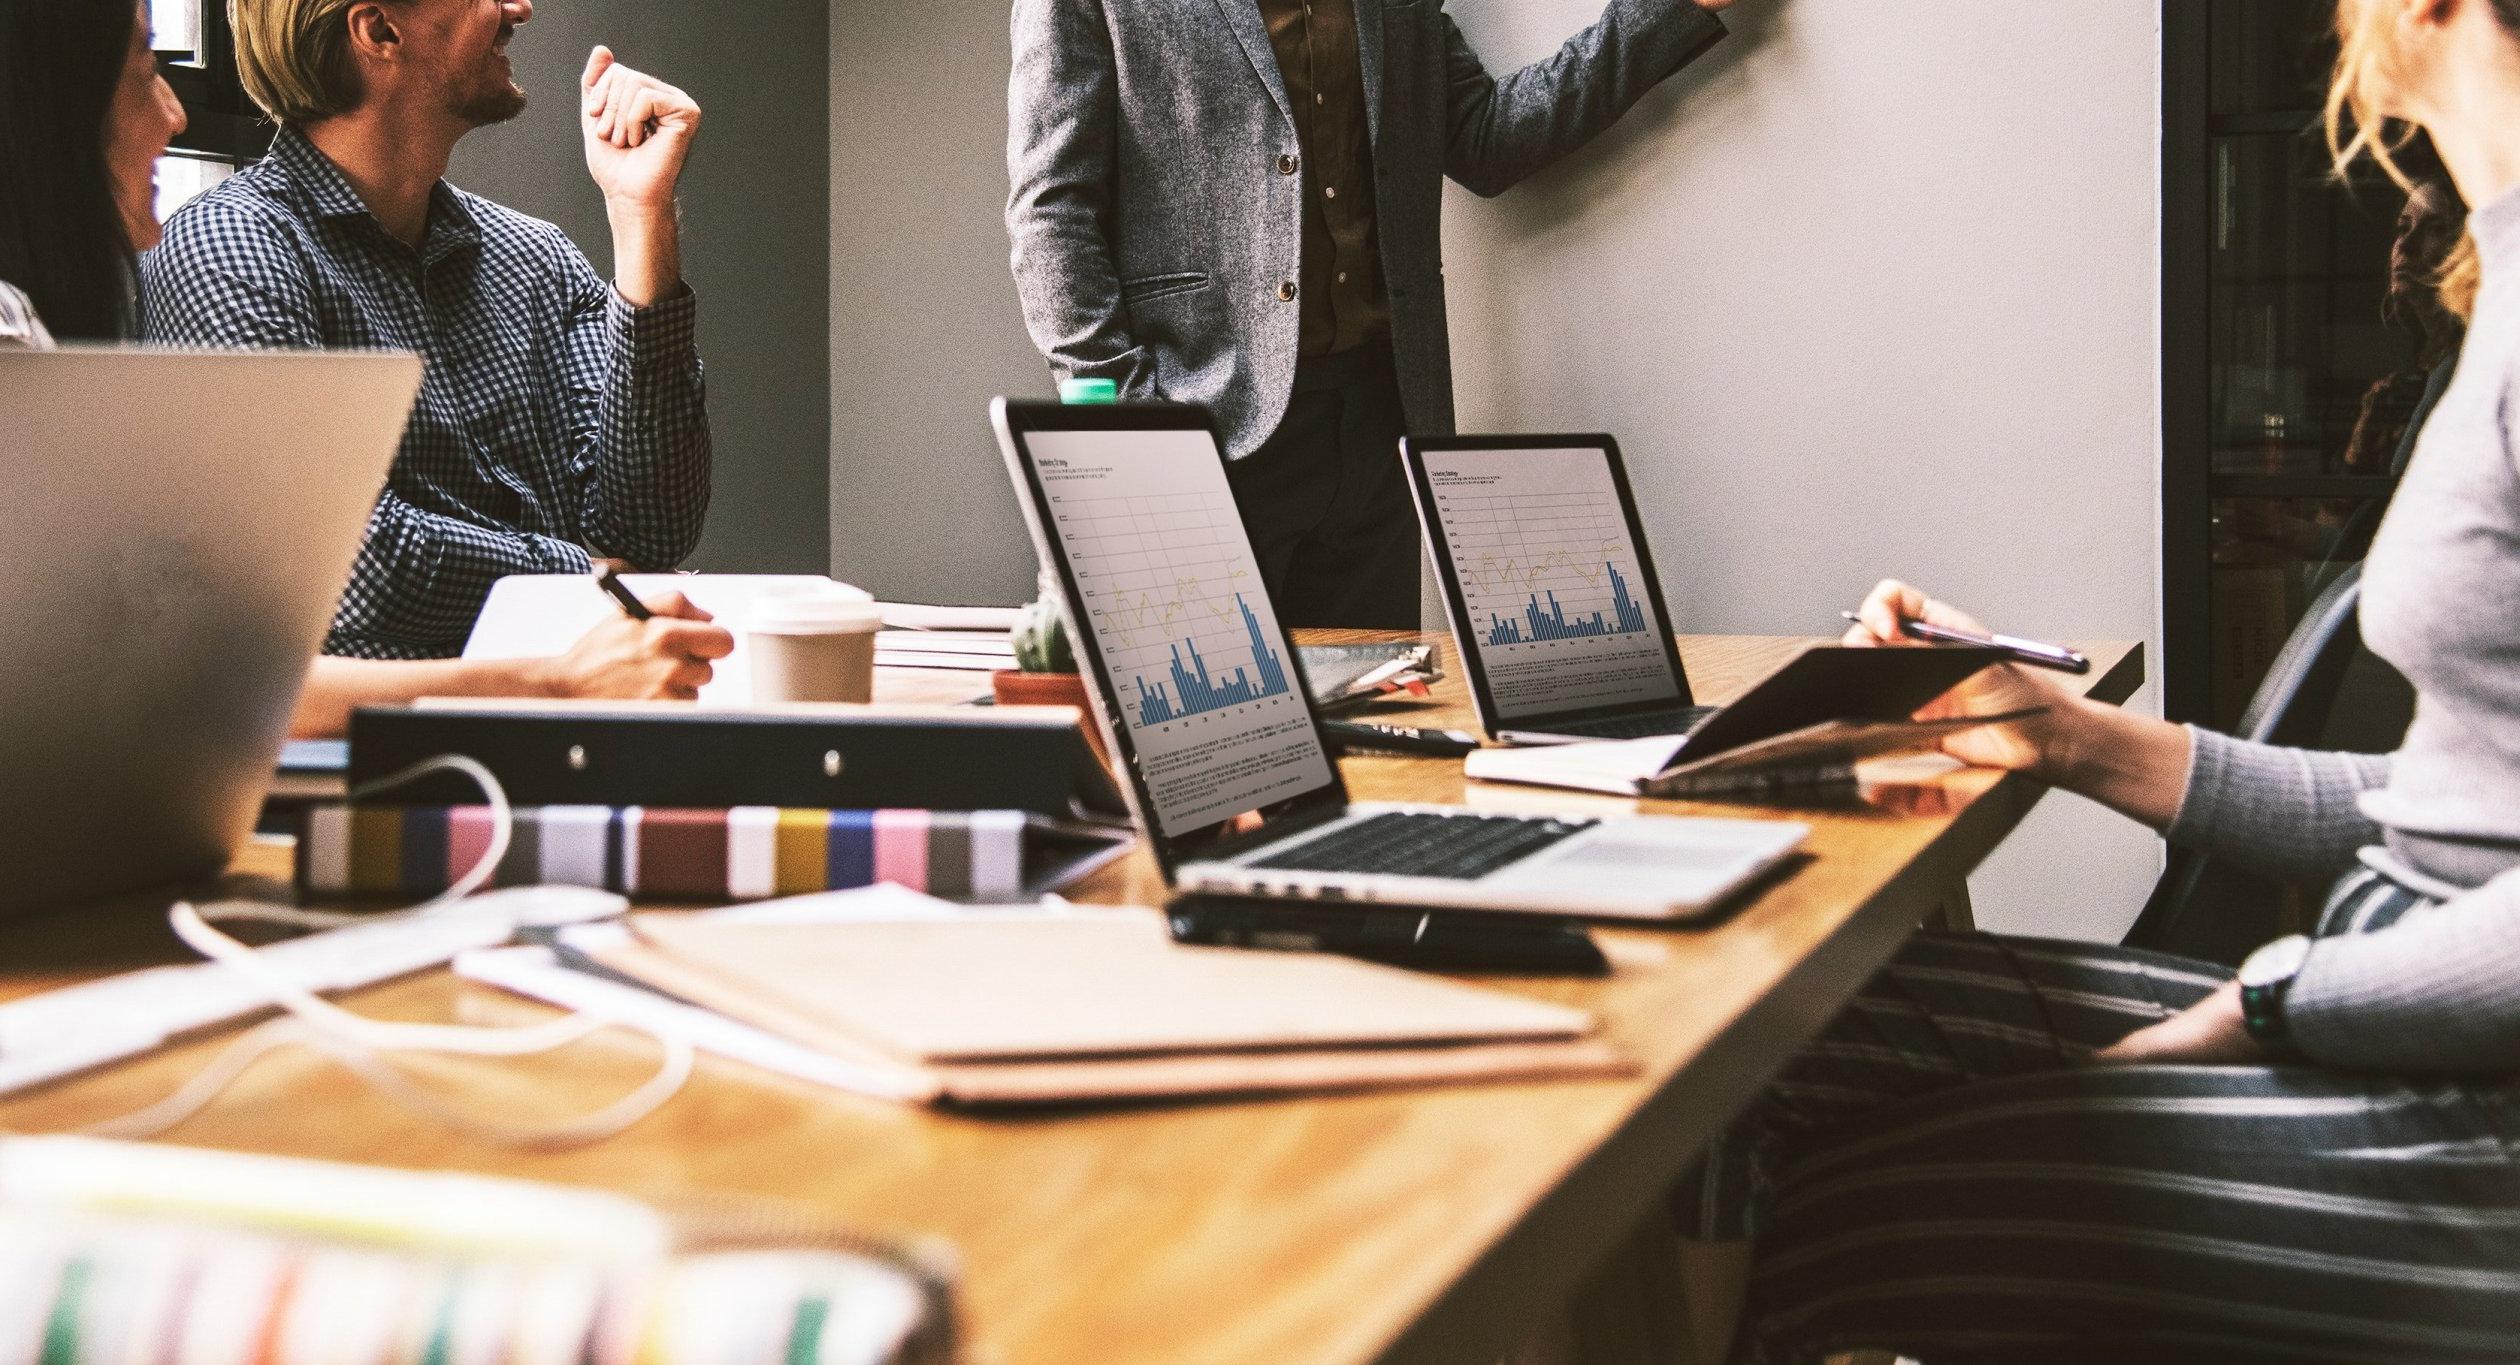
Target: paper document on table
[
  {"x": 974, "y": 642},
  {"x": 535, "y": 616},
  {"x": 800, "y": 1017}
]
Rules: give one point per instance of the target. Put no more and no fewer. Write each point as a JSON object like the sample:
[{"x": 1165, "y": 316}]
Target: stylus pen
[
  {"x": 631, "y": 606},
  {"x": 2031, "y": 652}
]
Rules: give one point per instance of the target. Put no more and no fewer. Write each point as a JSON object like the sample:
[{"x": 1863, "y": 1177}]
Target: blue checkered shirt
[{"x": 555, "y": 420}]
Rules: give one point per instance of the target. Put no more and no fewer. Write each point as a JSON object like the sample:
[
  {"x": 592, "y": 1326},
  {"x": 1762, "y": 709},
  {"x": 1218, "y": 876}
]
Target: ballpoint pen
[{"x": 613, "y": 587}]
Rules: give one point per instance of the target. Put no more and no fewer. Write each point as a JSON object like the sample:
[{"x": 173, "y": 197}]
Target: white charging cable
[{"x": 361, "y": 1043}]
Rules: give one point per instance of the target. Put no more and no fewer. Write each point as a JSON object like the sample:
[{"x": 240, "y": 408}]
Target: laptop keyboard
[
  {"x": 1640, "y": 727},
  {"x": 1414, "y": 844}
]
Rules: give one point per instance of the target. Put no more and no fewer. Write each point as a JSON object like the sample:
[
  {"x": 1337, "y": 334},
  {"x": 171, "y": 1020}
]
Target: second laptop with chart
[
  {"x": 1202, "y": 695},
  {"x": 1550, "y": 587}
]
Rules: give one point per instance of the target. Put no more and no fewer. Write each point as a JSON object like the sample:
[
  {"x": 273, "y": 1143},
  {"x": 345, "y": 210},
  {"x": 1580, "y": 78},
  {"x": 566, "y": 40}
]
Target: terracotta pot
[{"x": 1013, "y": 687}]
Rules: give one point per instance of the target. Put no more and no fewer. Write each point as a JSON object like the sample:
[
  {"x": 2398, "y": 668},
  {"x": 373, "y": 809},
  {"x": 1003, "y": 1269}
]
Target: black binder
[{"x": 803, "y": 757}]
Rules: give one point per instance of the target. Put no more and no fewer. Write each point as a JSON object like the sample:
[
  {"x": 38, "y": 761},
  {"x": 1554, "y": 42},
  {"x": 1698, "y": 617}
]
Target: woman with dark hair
[{"x": 87, "y": 116}]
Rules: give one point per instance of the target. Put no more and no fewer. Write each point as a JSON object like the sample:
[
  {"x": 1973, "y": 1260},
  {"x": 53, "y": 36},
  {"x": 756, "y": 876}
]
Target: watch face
[{"x": 2277, "y": 961}]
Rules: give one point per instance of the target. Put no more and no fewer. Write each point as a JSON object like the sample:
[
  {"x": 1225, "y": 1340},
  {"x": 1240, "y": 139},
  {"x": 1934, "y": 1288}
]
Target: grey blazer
[{"x": 1157, "y": 204}]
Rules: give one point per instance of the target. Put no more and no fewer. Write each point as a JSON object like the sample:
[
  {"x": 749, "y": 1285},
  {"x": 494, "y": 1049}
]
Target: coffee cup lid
[{"x": 816, "y": 611}]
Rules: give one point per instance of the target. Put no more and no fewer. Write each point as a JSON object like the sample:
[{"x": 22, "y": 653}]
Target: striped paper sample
[{"x": 743, "y": 853}]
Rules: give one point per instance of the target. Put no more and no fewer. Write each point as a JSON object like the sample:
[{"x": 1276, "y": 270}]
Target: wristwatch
[{"x": 2265, "y": 979}]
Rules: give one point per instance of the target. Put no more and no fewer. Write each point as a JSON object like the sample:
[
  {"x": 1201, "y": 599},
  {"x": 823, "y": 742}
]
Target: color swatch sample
[{"x": 740, "y": 853}]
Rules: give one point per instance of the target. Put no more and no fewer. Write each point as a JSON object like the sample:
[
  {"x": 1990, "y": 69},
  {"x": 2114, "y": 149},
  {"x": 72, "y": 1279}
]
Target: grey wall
[
  {"x": 1875, "y": 290},
  {"x": 754, "y": 242},
  {"x": 924, "y": 325}
]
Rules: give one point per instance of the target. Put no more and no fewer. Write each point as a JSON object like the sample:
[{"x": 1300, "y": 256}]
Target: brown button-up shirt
[{"x": 1344, "y": 305}]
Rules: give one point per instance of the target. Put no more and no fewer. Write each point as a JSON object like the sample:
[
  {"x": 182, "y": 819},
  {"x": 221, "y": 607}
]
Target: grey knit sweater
[{"x": 2439, "y": 991}]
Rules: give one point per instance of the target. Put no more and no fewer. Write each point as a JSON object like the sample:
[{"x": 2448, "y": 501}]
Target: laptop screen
[
  {"x": 1551, "y": 590},
  {"x": 1162, "y": 577}
]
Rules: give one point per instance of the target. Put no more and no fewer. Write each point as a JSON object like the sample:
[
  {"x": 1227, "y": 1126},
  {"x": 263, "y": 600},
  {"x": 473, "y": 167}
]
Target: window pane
[
  {"x": 182, "y": 179},
  {"x": 177, "y": 25}
]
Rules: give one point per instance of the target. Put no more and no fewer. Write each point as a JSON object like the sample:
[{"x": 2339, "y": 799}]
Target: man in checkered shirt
[{"x": 563, "y": 420}]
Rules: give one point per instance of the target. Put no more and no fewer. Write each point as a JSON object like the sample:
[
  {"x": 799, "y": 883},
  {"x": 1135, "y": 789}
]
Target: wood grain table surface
[{"x": 1435, "y": 1225}]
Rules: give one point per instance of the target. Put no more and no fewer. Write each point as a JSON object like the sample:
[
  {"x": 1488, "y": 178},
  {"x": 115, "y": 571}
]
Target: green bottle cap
[{"x": 1089, "y": 391}]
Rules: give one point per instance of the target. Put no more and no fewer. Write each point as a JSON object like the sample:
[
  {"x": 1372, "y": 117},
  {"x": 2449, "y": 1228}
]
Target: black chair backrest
[
  {"x": 2208, "y": 909},
  {"x": 2293, "y": 704}
]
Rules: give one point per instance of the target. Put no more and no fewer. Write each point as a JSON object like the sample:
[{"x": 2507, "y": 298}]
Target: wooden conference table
[{"x": 1433, "y": 1225}]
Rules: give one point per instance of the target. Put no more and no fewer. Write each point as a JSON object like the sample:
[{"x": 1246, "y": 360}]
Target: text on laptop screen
[
  {"x": 1191, "y": 647},
  {"x": 1555, "y": 602}
]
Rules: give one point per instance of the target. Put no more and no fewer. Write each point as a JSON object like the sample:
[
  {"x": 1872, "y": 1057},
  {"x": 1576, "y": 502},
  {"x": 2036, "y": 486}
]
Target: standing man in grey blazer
[{"x": 1239, "y": 203}]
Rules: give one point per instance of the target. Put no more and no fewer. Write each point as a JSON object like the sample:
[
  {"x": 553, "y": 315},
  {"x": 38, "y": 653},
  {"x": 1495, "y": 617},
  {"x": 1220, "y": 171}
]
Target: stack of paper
[
  {"x": 977, "y": 651},
  {"x": 923, "y": 616}
]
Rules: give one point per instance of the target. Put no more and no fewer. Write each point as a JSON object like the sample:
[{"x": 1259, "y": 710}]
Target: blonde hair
[
  {"x": 2366, "y": 75},
  {"x": 294, "y": 57}
]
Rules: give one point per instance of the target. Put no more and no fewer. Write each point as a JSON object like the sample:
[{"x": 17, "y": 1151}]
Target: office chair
[{"x": 2208, "y": 908}]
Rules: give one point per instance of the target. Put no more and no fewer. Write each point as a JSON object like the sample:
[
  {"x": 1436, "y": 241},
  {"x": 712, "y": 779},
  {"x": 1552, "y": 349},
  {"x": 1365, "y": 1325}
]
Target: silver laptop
[
  {"x": 1550, "y": 588},
  {"x": 178, "y": 530},
  {"x": 1202, "y": 697}
]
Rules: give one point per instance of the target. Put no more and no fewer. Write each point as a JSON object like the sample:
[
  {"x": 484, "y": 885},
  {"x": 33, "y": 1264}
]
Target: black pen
[
  {"x": 631, "y": 606},
  {"x": 2030, "y": 652}
]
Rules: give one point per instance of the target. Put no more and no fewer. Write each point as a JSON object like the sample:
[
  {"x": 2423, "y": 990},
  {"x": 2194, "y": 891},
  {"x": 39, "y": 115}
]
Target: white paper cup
[{"x": 815, "y": 645}]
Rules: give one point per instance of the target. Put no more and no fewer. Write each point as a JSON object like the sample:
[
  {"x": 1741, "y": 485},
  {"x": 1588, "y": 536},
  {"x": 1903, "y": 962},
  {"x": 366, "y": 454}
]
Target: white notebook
[{"x": 535, "y": 616}]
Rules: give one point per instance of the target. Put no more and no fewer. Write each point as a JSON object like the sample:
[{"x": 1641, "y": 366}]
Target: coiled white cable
[{"x": 361, "y": 1044}]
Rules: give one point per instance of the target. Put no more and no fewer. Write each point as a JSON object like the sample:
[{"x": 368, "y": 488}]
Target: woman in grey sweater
[{"x": 2063, "y": 1151}]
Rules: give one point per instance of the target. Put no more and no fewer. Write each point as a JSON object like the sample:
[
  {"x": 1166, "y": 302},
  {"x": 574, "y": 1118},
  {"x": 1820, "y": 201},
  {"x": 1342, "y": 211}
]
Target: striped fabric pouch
[{"x": 738, "y": 854}]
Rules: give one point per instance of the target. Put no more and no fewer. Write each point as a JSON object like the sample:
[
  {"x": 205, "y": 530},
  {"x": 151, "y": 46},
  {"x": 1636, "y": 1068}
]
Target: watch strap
[{"x": 2262, "y": 1004}]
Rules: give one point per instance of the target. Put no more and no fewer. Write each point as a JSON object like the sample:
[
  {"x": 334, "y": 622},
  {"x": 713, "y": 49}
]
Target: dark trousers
[{"x": 1326, "y": 502}]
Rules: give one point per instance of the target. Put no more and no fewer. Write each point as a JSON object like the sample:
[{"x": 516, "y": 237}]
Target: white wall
[
  {"x": 925, "y": 329},
  {"x": 1873, "y": 289}
]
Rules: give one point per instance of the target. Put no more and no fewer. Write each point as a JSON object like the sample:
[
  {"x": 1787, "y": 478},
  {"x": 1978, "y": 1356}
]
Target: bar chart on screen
[
  {"x": 1188, "y": 643},
  {"x": 1551, "y": 579}
]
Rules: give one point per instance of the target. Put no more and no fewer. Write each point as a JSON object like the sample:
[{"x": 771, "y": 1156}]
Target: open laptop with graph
[
  {"x": 1202, "y": 696},
  {"x": 1550, "y": 588}
]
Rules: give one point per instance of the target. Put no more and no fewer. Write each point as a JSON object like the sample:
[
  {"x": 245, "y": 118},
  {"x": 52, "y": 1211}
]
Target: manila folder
[{"x": 1086, "y": 986}]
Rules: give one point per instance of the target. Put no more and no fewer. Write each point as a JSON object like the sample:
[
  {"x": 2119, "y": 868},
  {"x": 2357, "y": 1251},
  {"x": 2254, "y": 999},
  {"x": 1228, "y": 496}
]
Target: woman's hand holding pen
[
  {"x": 2134, "y": 764},
  {"x": 2038, "y": 745}
]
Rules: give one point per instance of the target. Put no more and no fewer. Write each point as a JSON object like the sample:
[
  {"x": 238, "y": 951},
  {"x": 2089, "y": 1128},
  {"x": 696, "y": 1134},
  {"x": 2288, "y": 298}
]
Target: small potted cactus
[{"x": 1047, "y": 675}]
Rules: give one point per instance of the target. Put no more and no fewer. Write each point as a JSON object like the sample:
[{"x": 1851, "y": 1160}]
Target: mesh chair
[{"x": 2207, "y": 908}]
